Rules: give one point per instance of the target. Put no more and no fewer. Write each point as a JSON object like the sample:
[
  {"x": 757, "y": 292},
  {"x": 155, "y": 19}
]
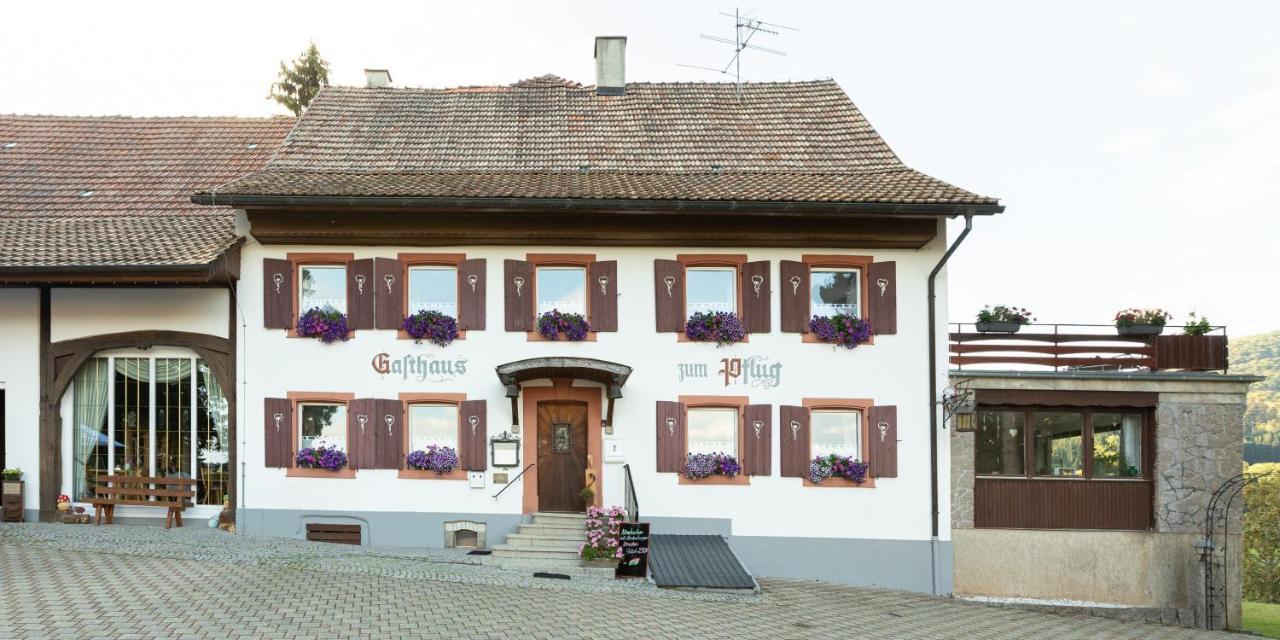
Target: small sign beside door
[{"x": 634, "y": 538}]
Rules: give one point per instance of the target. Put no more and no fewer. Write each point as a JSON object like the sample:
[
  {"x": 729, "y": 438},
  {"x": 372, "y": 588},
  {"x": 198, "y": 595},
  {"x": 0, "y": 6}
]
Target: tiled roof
[
  {"x": 109, "y": 191},
  {"x": 549, "y": 138}
]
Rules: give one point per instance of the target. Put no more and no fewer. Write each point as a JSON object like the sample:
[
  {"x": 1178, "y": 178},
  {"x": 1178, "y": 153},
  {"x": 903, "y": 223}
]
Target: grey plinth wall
[{"x": 1154, "y": 575}]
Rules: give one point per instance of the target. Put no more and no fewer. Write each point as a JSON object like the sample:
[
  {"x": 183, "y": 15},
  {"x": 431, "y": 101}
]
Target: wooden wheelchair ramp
[{"x": 696, "y": 562}]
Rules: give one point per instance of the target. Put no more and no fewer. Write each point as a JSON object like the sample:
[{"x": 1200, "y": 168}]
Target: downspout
[{"x": 933, "y": 398}]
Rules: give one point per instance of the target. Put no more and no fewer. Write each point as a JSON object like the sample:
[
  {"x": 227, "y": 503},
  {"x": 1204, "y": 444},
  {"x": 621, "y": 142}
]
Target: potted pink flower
[
  {"x": 1142, "y": 322},
  {"x": 1002, "y": 319}
]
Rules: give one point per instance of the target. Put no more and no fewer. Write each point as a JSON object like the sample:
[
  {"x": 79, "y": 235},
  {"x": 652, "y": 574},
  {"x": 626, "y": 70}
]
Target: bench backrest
[{"x": 163, "y": 489}]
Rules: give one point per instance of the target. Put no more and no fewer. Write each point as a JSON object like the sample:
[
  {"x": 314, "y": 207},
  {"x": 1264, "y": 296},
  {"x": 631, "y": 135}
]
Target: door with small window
[{"x": 562, "y": 455}]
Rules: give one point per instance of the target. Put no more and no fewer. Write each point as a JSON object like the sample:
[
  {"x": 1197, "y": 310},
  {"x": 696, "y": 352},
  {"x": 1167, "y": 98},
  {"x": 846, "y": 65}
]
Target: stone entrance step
[
  {"x": 550, "y": 566},
  {"x": 546, "y": 541},
  {"x": 542, "y": 553}
]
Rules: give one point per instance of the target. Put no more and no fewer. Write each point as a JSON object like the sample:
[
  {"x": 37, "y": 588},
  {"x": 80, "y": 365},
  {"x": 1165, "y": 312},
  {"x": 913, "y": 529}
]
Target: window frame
[
  {"x": 407, "y": 401},
  {"x": 310, "y": 259},
  {"x": 862, "y": 406},
  {"x": 575, "y": 260},
  {"x": 737, "y": 403},
  {"x": 296, "y": 400},
  {"x": 734, "y": 261},
  {"x": 410, "y": 260},
  {"x": 1146, "y": 423},
  {"x": 819, "y": 262}
]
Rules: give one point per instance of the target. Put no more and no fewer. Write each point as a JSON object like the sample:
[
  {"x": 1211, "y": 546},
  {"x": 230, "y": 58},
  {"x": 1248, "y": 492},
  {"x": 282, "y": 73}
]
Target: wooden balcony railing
[{"x": 1065, "y": 347}]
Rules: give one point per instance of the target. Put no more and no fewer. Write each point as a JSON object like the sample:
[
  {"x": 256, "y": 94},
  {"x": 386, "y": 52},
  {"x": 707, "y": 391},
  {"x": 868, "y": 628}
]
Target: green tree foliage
[
  {"x": 1260, "y": 355},
  {"x": 300, "y": 82},
  {"x": 1262, "y": 534}
]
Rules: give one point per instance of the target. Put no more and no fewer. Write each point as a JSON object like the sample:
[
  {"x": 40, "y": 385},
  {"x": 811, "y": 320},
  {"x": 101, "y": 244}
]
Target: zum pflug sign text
[{"x": 752, "y": 371}]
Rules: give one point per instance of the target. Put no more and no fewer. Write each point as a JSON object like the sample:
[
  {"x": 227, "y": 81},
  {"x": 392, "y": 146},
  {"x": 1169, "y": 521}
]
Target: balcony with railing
[{"x": 1086, "y": 347}]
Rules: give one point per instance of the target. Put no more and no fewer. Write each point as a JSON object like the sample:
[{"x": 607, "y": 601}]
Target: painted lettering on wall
[
  {"x": 752, "y": 371},
  {"x": 420, "y": 367}
]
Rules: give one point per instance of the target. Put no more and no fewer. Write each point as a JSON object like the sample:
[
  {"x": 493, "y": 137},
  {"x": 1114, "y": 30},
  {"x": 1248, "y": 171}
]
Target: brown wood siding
[
  {"x": 517, "y": 294},
  {"x": 602, "y": 283},
  {"x": 668, "y": 295},
  {"x": 882, "y": 450},
  {"x": 277, "y": 293},
  {"x": 757, "y": 443},
  {"x": 794, "y": 277},
  {"x": 756, "y": 291},
  {"x": 278, "y": 432},
  {"x": 389, "y": 434},
  {"x": 670, "y": 426},
  {"x": 388, "y": 287},
  {"x": 362, "y": 423},
  {"x": 1192, "y": 353},
  {"x": 471, "y": 292},
  {"x": 793, "y": 436},
  {"x": 473, "y": 439},
  {"x": 1019, "y": 503},
  {"x": 1047, "y": 398},
  {"x": 360, "y": 294},
  {"x": 882, "y": 307}
]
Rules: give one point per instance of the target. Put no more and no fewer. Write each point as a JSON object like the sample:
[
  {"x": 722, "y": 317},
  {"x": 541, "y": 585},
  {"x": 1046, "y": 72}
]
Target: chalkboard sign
[{"x": 634, "y": 537}]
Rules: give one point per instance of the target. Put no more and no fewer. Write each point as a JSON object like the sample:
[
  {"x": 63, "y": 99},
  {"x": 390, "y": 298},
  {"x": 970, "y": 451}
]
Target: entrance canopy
[{"x": 611, "y": 374}]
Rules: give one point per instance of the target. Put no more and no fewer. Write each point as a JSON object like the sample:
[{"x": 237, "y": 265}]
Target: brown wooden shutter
[
  {"x": 795, "y": 296},
  {"x": 757, "y": 445},
  {"x": 278, "y": 414},
  {"x": 471, "y": 288},
  {"x": 668, "y": 294},
  {"x": 388, "y": 291},
  {"x": 362, "y": 430},
  {"x": 277, "y": 293},
  {"x": 756, "y": 294},
  {"x": 360, "y": 294},
  {"x": 602, "y": 282},
  {"x": 793, "y": 430},
  {"x": 388, "y": 434},
  {"x": 671, "y": 436},
  {"x": 517, "y": 294},
  {"x": 882, "y": 451},
  {"x": 473, "y": 435},
  {"x": 882, "y": 281}
]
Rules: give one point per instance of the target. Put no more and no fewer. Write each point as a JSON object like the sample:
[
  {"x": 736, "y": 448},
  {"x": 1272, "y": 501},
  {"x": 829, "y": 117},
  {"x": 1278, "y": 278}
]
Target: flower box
[
  {"x": 1002, "y": 319},
  {"x": 704, "y": 465},
  {"x": 821, "y": 468},
  {"x": 998, "y": 327},
  {"x": 721, "y": 327},
  {"x": 1140, "y": 329},
  {"x": 325, "y": 325},
  {"x": 440, "y": 460},
  {"x": 553, "y": 325},
  {"x": 327, "y": 458},
  {"x": 432, "y": 326},
  {"x": 1141, "y": 322},
  {"x": 841, "y": 330}
]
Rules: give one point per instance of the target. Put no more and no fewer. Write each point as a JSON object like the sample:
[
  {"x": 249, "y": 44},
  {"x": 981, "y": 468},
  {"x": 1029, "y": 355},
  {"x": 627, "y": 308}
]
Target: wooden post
[{"x": 50, "y": 436}]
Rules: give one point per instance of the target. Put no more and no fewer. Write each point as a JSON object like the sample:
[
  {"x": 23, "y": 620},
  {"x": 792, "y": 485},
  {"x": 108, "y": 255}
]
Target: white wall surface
[
  {"x": 892, "y": 371},
  {"x": 86, "y": 312},
  {"x": 20, "y": 379}
]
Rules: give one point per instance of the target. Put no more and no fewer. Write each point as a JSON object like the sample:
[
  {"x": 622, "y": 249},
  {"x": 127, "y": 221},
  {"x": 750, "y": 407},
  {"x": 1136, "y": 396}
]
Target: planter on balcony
[
  {"x": 1140, "y": 329},
  {"x": 998, "y": 327}
]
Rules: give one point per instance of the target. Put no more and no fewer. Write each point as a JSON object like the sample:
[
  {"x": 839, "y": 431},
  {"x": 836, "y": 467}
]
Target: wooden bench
[{"x": 174, "y": 494}]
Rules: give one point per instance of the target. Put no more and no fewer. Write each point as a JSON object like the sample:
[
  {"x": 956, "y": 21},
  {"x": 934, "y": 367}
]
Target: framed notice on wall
[{"x": 634, "y": 538}]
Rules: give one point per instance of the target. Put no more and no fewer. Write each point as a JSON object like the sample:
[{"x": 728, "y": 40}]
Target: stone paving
[{"x": 75, "y": 581}]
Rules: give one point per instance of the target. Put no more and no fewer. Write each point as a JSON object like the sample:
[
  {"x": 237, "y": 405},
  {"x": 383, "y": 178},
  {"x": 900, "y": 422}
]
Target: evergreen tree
[{"x": 301, "y": 81}]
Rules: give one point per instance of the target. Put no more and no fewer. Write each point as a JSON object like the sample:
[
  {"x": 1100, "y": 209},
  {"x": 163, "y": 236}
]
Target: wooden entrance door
[{"x": 562, "y": 455}]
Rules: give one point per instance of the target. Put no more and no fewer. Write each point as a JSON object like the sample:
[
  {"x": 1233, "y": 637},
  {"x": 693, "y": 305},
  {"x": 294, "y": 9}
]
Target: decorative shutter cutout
[
  {"x": 471, "y": 292},
  {"x": 361, "y": 432},
  {"x": 278, "y": 432},
  {"x": 602, "y": 283},
  {"x": 793, "y": 432},
  {"x": 795, "y": 296},
  {"x": 360, "y": 293},
  {"x": 668, "y": 295},
  {"x": 277, "y": 293},
  {"x": 756, "y": 294},
  {"x": 473, "y": 435},
  {"x": 517, "y": 288},
  {"x": 388, "y": 434},
  {"x": 882, "y": 452},
  {"x": 882, "y": 283},
  {"x": 671, "y": 436},
  {"x": 757, "y": 443},
  {"x": 388, "y": 292}
]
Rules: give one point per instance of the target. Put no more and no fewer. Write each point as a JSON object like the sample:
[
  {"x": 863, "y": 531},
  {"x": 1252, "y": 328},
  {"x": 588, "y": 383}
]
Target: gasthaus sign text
[{"x": 420, "y": 367}]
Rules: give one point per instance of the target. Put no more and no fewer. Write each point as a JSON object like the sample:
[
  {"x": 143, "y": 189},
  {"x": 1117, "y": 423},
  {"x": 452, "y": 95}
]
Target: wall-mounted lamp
[{"x": 958, "y": 408}]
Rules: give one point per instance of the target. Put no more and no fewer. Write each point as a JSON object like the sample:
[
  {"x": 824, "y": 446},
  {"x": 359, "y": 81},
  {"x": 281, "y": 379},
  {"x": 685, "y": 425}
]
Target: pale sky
[{"x": 1136, "y": 145}]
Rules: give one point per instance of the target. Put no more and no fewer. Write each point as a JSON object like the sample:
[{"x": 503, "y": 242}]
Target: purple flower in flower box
[
  {"x": 432, "y": 326},
  {"x": 441, "y": 460},
  {"x": 553, "y": 324},
  {"x": 721, "y": 327},
  {"x": 705, "y": 465},
  {"x": 326, "y": 325},
  {"x": 841, "y": 330},
  {"x": 823, "y": 467},
  {"x": 330, "y": 458}
]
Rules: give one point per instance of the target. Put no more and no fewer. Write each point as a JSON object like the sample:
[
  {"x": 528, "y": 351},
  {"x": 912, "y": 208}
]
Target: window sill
[
  {"x": 684, "y": 337},
  {"x": 842, "y": 483},
  {"x": 740, "y": 479},
  {"x": 808, "y": 338},
  {"x": 534, "y": 336},
  {"x": 422, "y": 474},
  {"x": 297, "y": 472},
  {"x": 293, "y": 333},
  {"x": 401, "y": 334}
]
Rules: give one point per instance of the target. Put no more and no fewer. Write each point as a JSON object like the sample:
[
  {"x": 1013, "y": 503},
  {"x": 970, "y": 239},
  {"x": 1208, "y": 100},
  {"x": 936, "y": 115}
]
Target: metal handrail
[
  {"x": 632, "y": 504},
  {"x": 513, "y": 480}
]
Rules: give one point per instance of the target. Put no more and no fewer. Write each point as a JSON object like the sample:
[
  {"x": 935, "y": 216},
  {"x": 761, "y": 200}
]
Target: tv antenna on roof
[{"x": 745, "y": 28}]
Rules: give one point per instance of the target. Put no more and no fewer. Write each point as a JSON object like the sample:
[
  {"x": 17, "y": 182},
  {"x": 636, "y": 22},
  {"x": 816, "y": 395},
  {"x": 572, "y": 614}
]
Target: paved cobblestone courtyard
[{"x": 70, "y": 581}]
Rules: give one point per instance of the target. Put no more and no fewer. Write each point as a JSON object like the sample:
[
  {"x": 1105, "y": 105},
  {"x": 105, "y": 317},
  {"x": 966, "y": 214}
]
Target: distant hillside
[{"x": 1260, "y": 355}]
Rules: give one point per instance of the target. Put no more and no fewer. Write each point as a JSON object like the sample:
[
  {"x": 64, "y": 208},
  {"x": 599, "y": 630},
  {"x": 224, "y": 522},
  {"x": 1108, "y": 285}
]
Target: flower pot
[
  {"x": 1140, "y": 329},
  {"x": 64, "y": 507},
  {"x": 601, "y": 563},
  {"x": 998, "y": 327}
]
